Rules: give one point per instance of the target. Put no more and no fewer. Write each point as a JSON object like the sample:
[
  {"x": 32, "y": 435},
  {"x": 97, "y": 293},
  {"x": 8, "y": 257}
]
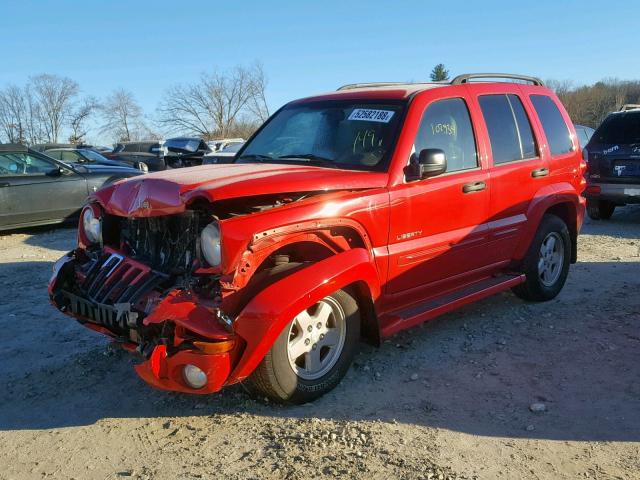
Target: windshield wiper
[
  {"x": 310, "y": 158},
  {"x": 255, "y": 156}
]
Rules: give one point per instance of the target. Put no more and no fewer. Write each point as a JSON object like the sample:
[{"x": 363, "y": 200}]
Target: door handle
[
  {"x": 473, "y": 187},
  {"x": 4, "y": 184},
  {"x": 540, "y": 172}
]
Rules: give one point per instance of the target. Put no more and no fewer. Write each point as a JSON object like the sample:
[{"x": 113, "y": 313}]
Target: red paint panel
[
  {"x": 169, "y": 192},
  {"x": 263, "y": 319}
]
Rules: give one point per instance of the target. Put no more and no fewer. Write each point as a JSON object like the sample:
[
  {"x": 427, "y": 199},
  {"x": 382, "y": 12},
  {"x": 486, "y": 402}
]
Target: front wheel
[
  {"x": 313, "y": 352},
  {"x": 546, "y": 265}
]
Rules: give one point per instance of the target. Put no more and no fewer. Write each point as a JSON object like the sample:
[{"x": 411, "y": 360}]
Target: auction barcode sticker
[{"x": 370, "y": 115}]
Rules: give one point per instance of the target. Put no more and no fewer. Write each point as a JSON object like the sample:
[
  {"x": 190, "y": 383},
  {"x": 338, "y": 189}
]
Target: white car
[
  {"x": 225, "y": 155},
  {"x": 219, "y": 145}
]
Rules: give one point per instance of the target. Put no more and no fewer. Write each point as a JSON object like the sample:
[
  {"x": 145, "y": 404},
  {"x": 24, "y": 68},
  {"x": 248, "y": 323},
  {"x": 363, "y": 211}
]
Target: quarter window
[
  {"x": 554, "y": 126},
  {"x": 509, "y": 128},
  {"x": 446, "y": 125}
]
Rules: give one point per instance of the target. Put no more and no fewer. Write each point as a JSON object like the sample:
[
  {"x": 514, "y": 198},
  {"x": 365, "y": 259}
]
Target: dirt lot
[{"x": 449, "y": 399}]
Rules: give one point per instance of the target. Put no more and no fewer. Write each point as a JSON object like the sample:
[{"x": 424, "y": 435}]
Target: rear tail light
[{"x": 594, "y": 189}]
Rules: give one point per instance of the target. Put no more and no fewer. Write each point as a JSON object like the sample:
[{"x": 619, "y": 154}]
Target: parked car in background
[
  {"x": 226, "y": 155},
  {"x": 218, "y": 145},
  {"x": 150, "y": 153},
  {"x": 348, "y": 216},
  {"x": 36, "y": 189},
  {"x": 184, "y": 151},
  {"x": 584, "y": 134},
  {"x": 613, "y": 158},
  {"x": 103, "y": 149},
  {"x": 42, "y": 147},
  {"x": 83, "y": 155}
]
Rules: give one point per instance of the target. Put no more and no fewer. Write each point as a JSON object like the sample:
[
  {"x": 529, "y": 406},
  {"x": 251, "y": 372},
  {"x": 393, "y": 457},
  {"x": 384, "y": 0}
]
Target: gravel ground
[{"x": 500, "y": 389}]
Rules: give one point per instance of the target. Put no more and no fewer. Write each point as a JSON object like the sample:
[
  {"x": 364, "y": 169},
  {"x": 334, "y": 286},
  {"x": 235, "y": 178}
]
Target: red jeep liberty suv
[{"x": 350, "y": 215}]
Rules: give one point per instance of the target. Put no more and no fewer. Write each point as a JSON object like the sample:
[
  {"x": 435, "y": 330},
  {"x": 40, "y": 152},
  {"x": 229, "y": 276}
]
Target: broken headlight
[
  {"x": 91, "y": 225},
  {"x": 210, "y": 244}
]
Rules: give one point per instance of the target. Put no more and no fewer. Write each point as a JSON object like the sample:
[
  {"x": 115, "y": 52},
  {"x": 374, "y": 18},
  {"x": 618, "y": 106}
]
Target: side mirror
[
  {"x": 432, "y": 162},
  {"x": 58, "y": 172}
]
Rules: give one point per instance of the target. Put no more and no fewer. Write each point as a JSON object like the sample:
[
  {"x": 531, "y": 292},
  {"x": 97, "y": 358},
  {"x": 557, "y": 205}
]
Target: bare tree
[
  {"x": 258, "y": 101},
  {"x": 54, "y": 96},
  {"x": 36, "y": 130},
  {"x": 123, "y": 116},
  {"x": 217, "y": 104},
  {"x": 79, "y": 116},
  {"x": 13, "y": 114}
]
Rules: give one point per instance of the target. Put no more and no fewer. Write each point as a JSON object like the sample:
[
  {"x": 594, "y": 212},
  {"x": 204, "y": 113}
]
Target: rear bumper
[
  {"x": 215, "y": 349},
  {"x": 621, "y": 193}
]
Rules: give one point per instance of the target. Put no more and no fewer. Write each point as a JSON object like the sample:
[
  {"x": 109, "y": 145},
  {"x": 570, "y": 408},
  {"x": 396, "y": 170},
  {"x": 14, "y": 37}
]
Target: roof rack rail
[
  {"x": 351, "y": 86},
  {"x": 464, "y": 78},
  {"x": 629, "y": 106}
]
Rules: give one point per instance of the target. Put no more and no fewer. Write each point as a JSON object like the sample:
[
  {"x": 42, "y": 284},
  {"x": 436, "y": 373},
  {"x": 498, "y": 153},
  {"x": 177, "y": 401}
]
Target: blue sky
[{"x": 307, "y": 46}]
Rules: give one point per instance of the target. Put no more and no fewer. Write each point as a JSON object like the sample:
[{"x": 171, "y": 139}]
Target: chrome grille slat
[
  {"x": 111, "y": 282},
  {"x": 118, "y": 286},
  {"x": 105, "y": 269}
]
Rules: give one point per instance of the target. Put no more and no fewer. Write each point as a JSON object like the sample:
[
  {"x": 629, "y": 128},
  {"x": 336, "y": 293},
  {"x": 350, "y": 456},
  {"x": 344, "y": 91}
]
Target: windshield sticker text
[{"x": 369, "y": 115}]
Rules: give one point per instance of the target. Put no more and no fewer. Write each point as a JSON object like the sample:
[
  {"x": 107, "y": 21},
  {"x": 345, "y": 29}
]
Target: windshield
[
  {"x": 339, "y": 134},
  {"x": 93, "y": 156},
  {"x": 619, "y": 128}
]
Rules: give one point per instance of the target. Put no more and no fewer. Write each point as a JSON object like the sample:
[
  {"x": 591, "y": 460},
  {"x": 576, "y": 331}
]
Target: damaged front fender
[{"x": 263, "y": 319}]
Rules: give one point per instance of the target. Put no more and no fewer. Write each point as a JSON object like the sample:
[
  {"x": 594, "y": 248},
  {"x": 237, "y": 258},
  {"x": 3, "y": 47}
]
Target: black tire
[
  {"x": 600, "y": 209},
  {"x": 276, "y": 379},
  {"x": 534, "y": 289}
]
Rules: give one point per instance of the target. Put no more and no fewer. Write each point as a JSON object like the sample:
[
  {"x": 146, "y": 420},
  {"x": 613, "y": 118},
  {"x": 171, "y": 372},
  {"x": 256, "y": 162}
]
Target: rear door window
[
  {"x": 509, "y": 128},
  {"x": 69, "y": 156},
  {"x": 554, "y": 126}
]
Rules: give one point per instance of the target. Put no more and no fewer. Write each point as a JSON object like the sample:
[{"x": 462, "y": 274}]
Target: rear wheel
[
  {"x": 312, "y": 353},
  {"x": 546, "y": 265},
  {"x": 600, "y": 209}
]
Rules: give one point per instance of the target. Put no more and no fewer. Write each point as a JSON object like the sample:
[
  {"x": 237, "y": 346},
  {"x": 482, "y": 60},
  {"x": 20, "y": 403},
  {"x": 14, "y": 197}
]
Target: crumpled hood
[{"x": 170, "y": 191}]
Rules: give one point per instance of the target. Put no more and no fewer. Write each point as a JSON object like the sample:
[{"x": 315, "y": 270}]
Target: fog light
[{"x": 193, "y": 376}]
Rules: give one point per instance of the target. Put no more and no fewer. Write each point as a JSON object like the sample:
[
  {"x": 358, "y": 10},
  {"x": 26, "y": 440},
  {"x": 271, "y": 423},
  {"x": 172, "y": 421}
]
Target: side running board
[{"x": 419, "y": 313}]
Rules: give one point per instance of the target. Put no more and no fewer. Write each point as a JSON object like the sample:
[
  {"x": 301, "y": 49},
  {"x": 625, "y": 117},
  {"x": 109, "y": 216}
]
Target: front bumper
[
  {"x": 168, "y": 329},
  {"x": 621, "y": 193}
]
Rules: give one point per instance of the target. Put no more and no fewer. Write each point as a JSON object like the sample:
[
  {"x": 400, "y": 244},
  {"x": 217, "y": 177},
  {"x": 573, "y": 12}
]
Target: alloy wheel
[
  {"x": 316, "y": 339},
  {"x": 551, "y": 259}
]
